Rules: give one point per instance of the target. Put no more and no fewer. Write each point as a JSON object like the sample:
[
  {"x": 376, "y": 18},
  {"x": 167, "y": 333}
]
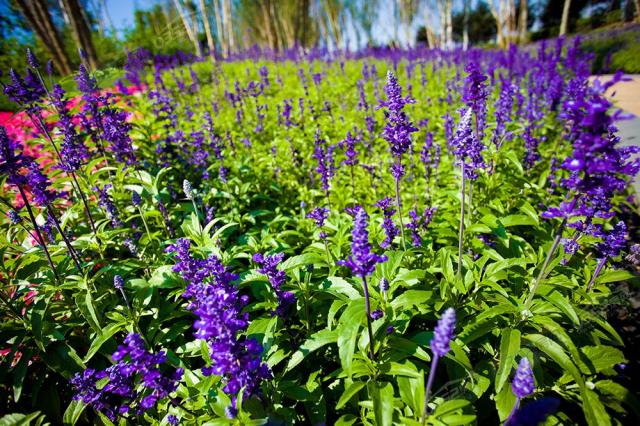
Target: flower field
[{"x": 390, "y": 237}]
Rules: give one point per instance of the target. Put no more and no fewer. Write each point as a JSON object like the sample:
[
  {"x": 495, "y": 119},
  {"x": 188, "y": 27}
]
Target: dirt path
[{"x": 626, "y": 94}]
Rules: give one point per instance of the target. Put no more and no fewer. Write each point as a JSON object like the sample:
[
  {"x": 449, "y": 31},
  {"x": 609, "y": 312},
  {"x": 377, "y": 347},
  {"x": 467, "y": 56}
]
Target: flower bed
[{"x": 421, "y": 237}]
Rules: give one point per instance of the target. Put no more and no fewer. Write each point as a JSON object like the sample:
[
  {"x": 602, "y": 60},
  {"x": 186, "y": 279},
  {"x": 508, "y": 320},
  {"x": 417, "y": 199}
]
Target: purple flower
[
  {"x": 14, "y": 217},
  {"x": 39, "y": 183},
  {"x": 187, "y": 189},
  {"x": 377, "y": 314},
  {"x": 269, "y": 267},
  {"x": 11, "y": 161},
  {"x": 32, "y": 60},
  {"x": 319, "y": 215},
  {"x": 221, "y": 321},
  {"x": 614, "y": 241},
  {"x": 475, "y": 96},
  {"x": 73, "y": 150},
  {"x": 419, "y": 222},
  {"x": 634, "y": 255},
  {"x": 522, "y": 384},
  {"x": 136, "y": 200},
  {"x": 25, "y": 92},
  {"x": 362, "y": 261},
  {"x": 398, "y": 128},
  {"x": 134, "y": 383},
  {"x": 384, "y": 284},
  {"x": 597, "y": 169},
  {"x": 118, "y": 282},
  {"x": 105, "y": 201},
  {"x": 390, "y": 228},
  {"x": 467, "y": 148},
  {"x": 443, "y": 333},
  {"x": 349, "y": 146},
  {"x": 323, "y": 153}
]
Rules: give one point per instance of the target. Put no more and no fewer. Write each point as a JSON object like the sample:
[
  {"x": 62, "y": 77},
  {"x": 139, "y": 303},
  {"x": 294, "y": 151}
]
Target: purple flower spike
[
  {"x": 118, "y": 282},
  {"x": 390, "y": 228},
  {"x": 523, "y": 384},
  {"x": 319, "y": 215},
  {"x": 397, "y": 131},
  {"x": 269, "y": 267},
  {"x": 443, "y": 333},
  {"x": 362, "y": 261},
  {"x": 467, "y": 148}
]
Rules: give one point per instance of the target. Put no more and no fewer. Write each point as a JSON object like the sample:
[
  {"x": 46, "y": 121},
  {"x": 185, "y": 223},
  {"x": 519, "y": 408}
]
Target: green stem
[
  {"x": 368, "y": 309},
  {"x": 399, "y": 205},
  {"x": 542, "y": 274},
  {"x": 461, "y": 230}
]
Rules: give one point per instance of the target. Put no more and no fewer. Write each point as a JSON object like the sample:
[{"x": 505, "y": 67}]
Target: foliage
[{"x": 246, "y": 136}]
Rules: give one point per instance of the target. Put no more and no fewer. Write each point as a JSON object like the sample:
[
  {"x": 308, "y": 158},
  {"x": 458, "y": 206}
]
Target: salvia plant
[{"x": 382, "y": 237}]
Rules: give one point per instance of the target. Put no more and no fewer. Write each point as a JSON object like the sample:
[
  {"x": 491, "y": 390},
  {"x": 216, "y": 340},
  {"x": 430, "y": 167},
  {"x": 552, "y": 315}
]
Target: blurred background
[{"x": 107, "y": 29}]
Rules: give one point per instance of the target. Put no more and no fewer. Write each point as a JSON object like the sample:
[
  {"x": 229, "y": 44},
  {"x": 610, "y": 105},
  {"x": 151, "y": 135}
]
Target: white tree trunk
[
  {"x": 187, "y": 27},
  {"x": 207, "y": 29},
  {"x": 565, "y": 17},
  {"x": 522, "y": 25},
  {"x": 465, "y": 24}
]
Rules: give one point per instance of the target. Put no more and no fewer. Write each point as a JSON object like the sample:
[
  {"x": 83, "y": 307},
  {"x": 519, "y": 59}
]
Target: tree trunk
[
  {"x": 219, "y": 29},
  {"x": 207, "y": 29},
  {"x": 565, "y": 17},
  {"x": 187, "y": 27},
  {"x": 227, "y": 23},
  {"x": 636, "y": 3},
  {"x": 465, "y": 25},
  {"x": 37, "y": 15},
  {"x": 81, "y": 30},
  {"x": 497, "y": 15},
  {"x": 449, "y": 24},
  {"x": 522, "y": 25}
]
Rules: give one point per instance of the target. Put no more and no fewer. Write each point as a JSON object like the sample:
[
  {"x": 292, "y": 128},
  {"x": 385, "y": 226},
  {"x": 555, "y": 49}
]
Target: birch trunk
[
  {"x": 565, "y": 17},
  {"x": 207, "y": 29}
]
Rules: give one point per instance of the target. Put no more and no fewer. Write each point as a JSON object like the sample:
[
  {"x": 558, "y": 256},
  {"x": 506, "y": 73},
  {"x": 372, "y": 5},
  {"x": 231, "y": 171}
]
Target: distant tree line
[{"x": 59, "y": 29}]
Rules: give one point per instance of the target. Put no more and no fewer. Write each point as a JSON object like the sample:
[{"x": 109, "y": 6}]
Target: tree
[
  {"x": 565, "y": 17},
  {"x": 81, "y": 30},
  {"x": 189, "y": 27},
  {"x": 39, "y": 19},
  {"x": 207, "y": 29},
  {"x": 482, "y": 25},
  {"x": 523, "y": 22}
]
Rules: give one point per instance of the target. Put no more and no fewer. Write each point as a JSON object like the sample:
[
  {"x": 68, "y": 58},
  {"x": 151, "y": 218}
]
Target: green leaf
[
  {"x": 302, "y": 260},
  {"x": 164, "y": 277},
  {"x": 100, "y": 339},
  {"x": 382, "y": 396},
  {"x": 555, "y": 352},
  {"x": 564, "y": 305},
  {"x": 349, "y": 392},
  {"x": 350, "y": 321},
  {"x": 18, "y": 419},
  {"x": 73, "y": 413},
  {"x": 615, "y": 276},
  {"x": 411, "y": 298},
  {"x": 313, "y": 343},
  {"x": 597, "y": 359},
  {"x": 509, "y": 346},
  {"x": 593, "y": 409},
  {"x": 340, "y": 287}
]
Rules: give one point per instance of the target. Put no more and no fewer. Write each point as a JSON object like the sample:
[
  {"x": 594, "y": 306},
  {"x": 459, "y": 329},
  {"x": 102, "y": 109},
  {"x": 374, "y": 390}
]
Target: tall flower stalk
[
  {"x": 440, "y": 346},
  {"x": 468, "y": 153},
  {"x": 522, "y": 385},
  {"x": 363, "y": 262},
  {"x": 397, "y": 132}
]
